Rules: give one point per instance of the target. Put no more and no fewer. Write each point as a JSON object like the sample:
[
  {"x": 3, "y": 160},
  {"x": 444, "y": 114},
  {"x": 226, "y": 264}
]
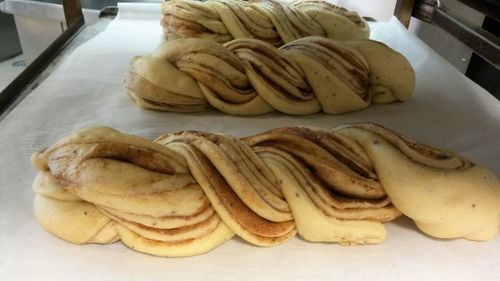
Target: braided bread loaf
[
  {"x": 276, "y": 22},
  {"x": 190, "y": 191},
  {"x": 250, "y": 77}
]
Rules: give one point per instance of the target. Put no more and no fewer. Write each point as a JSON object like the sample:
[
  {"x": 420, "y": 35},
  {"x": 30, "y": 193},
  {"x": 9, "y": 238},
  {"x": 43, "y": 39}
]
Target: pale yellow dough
[
  {"x": 172, "y": 249},
  {"x": 78, "y": 222},
  {"x": 391, "y": 76},
  {"x": 443, "y": 202},
  {"x": 313, "y": 225}
]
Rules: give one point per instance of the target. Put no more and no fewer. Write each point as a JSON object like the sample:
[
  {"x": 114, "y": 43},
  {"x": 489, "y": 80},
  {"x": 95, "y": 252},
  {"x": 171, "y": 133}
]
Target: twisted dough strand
[
  {"x": 190, "y": 191},
  {"x": 276, "y": 22},
  {"x": 250, "y": 77}
]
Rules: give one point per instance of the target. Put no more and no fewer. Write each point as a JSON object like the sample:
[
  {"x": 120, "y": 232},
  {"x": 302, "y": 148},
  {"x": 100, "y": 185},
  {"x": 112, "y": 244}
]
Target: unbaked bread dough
[
  {"x": 189, "y": 191},
  {"x": 251, "y": 77},
  {"x": 276, "y": 21}
]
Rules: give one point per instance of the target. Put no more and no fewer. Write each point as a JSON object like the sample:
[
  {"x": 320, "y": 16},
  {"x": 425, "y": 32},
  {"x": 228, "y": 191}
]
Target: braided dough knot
[
  {"x": 276, "y": 22},
  {"x": 190, "y": 191},
  {"x": 251, "y": 77}
]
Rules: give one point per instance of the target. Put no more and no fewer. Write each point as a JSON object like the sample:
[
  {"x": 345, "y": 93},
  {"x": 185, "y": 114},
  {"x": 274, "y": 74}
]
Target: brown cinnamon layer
[{"x": 339, "y": 164}]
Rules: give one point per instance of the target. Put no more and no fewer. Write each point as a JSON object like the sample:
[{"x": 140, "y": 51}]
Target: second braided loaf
[{"x": 251, "y": 77}]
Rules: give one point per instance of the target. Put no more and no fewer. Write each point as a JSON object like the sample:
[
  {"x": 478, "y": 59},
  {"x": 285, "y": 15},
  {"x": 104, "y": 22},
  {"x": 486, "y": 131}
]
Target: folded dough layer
[
  {"x": 111, "y": 186},
  {"x": 446, "y": 195}
]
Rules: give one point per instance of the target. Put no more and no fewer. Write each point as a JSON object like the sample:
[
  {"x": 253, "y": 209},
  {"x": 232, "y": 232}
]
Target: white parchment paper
[{"x": 447, "y": 110}]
